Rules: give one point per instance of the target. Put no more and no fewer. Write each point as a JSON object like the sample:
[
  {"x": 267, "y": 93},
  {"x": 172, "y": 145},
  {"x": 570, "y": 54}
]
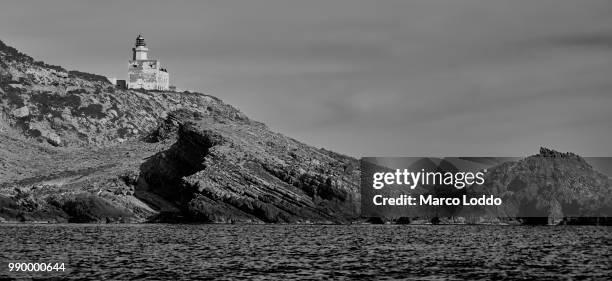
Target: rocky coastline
[{"x": 76, "y": 148}]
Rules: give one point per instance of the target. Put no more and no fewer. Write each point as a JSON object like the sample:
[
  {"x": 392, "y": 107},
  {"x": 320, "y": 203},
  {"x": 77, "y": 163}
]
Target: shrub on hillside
[{"x": 88, "y": 76}]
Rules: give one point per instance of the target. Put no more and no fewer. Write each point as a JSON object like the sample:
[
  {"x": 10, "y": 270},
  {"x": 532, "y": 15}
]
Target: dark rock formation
[
  {"x": 244, "y": 173},
  {"x": 545, "y": 152}
]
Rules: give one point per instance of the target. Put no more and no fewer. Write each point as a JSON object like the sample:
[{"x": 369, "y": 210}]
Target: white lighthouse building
[{"x": 145, "y": 73}]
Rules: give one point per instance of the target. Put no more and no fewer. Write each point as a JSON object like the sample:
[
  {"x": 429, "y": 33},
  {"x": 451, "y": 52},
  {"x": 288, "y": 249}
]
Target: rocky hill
[
  {"x": 76, "y": 148},
  {"x": 549, "y": 187}
]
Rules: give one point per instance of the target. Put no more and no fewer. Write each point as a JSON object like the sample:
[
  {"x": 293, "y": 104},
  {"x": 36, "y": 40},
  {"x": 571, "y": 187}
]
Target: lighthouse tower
[
  {"x": 140, "y": 50},
  {"x": 145, "y": 73}
]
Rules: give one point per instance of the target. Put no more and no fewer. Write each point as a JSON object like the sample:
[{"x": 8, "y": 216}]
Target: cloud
[{"x": 362, "y": 77}]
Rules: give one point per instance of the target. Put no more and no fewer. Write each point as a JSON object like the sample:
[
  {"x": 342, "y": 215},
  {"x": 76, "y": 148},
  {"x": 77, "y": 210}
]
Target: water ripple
[{"x": 226, "y": 252}]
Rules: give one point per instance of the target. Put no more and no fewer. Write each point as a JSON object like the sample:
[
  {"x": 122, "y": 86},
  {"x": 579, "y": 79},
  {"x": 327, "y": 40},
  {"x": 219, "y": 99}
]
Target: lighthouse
[
  {"x": 145, "y": 73},
  {"x": 139, "y": 52}
]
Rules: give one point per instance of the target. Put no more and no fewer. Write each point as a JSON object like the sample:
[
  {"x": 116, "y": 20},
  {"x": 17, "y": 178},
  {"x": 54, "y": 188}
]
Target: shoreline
[{"x": 357, "y": 223}]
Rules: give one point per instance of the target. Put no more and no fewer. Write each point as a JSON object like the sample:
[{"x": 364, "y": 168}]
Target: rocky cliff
[{"x": 77, "y": 148}]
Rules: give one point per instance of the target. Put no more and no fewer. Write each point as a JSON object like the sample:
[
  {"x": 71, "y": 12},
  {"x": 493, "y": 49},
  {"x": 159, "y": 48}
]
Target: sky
[{"x": 364, "y": 78}]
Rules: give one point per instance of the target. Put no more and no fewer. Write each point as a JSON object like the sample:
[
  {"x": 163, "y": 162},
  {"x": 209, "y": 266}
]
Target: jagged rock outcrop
[
  {"x": 546, "y": 152},
  {"x": 76, "y": 148},
  {"x": 221, "y": 172}
]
